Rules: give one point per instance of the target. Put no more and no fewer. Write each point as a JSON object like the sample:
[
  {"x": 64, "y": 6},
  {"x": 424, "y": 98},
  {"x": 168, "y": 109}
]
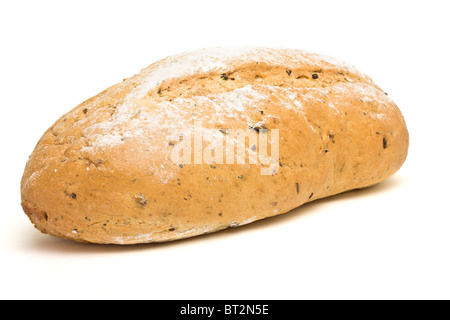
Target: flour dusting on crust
[{"x": 141, "y": 118}]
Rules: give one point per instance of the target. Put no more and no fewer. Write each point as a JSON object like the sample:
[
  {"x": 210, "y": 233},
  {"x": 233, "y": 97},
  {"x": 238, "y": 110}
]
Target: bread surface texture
[{"x": 105, "y": 171}]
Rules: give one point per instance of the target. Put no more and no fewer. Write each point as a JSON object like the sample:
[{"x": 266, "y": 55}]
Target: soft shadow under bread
[{"x": 38, "y": 242}]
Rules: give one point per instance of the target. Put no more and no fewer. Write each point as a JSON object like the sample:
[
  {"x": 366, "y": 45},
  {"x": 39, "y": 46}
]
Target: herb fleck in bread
[{"x": 103, "y": 173}]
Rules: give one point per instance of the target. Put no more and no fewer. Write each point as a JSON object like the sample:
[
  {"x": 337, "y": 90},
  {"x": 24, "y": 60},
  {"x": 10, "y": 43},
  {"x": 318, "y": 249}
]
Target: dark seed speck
[
  {"x": 331, "y": 136},
  {"x": 258, "y": 128}
]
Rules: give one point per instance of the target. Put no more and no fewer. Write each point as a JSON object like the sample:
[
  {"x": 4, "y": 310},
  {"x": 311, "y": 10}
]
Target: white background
[{"x": 388, "y": 242}]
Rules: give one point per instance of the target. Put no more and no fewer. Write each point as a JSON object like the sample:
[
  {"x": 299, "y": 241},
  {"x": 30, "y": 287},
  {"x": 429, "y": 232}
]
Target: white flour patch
[{"x": 143, "y": 120}]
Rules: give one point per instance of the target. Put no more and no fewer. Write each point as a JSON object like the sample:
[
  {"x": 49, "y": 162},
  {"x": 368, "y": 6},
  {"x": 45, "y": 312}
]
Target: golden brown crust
[{"x": 103, "y": 174}]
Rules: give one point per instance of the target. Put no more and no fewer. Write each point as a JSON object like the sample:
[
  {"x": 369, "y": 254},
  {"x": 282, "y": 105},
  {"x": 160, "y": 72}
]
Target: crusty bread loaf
[{"x": 114, "y": 169}]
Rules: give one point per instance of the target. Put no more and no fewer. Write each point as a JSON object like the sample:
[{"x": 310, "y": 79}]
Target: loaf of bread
[{"x": 211, "y": 139}]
